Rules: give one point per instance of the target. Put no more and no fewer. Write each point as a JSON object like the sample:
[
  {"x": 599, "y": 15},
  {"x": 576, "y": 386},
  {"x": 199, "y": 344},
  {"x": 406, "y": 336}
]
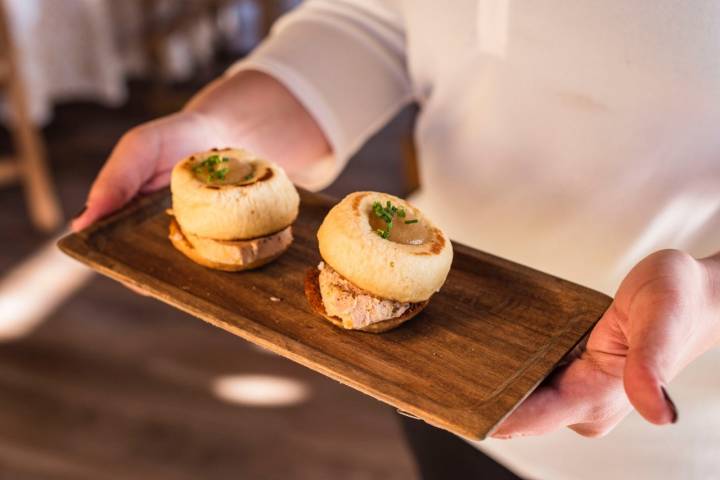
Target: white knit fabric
[
  {"x": 87, "y": 49},
  {"x": 572, "y": 136}
]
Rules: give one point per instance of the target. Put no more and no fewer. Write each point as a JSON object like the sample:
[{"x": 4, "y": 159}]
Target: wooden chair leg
[
  {"x": 411, "y": 172},
  {"x": 42, "y": 202},
  {"x": 43, "y": 205},
  {"x": 409, "y": 153},
  {"x": 270, "y": 11}
]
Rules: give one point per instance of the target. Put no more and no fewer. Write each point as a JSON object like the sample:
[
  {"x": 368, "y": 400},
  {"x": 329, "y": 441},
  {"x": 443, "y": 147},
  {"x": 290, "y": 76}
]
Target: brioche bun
[
  {"x": 312, "y": 292},
  {"x": 388, "y": 269},
  {"x": 230, "y": 256},
  {"x": 260, "y": 203}
]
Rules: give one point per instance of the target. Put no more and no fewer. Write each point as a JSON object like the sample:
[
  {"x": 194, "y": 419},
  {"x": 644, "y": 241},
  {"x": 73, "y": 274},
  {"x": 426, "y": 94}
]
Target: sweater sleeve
[{"x": 344, "y": 60}]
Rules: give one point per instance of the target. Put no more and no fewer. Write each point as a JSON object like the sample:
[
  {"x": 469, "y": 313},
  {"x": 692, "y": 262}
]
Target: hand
[
  {"x": 142, "y": 160},
  {"x": 249, "y": 109},
  {"x": 665, "y": 314}
]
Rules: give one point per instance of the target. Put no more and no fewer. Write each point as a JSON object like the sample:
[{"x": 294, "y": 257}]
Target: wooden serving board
[{"x": 494, "y": 331}]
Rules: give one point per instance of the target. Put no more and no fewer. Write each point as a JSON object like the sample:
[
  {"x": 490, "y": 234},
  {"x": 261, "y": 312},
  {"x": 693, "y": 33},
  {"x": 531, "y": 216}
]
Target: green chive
[
  {"x": 386, "y": 214},
  {"x": 219, "y": 174}
]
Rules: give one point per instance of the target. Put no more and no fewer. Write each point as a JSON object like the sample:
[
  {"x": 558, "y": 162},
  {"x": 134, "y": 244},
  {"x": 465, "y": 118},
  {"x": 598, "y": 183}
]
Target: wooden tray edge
[
  {"x": 79, "y": 246},
  {"x": 74, "y": 244}
]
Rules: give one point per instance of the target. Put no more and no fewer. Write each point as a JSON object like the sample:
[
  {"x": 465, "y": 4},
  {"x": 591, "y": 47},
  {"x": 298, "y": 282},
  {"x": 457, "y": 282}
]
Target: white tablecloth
[{"x": 86, "y": 49}]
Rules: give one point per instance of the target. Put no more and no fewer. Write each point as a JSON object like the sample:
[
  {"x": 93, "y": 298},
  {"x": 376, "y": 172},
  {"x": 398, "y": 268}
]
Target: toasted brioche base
[
  {"x": 180, "y": 242},
  {"x": 312, "y": 292}
]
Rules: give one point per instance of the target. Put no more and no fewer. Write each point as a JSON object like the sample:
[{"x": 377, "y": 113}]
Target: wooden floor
[{"x": 117, "y": 386}]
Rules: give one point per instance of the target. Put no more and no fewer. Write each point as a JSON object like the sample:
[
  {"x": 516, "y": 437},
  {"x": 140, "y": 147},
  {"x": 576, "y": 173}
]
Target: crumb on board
[{"x": 274, "y": 299}]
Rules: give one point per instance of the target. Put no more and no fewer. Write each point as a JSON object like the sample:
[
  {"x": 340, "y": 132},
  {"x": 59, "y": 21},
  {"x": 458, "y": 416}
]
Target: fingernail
[
  {"x": 670, "y": 404},
  {"x": 77, "y": 215}
]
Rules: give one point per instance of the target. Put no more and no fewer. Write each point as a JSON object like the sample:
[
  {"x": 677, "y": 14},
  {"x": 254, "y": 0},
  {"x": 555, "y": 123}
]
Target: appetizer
[
  {"x": 382, "y": 261},
  {"x": 231, "y": 210}
]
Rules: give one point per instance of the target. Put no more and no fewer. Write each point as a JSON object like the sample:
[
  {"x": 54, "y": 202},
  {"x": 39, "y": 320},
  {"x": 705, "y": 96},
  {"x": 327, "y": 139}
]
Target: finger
[
  {"x": 544, "y": 411},
  {"x": 601, "y": 428},
  {"x": 105, "y": 197},
  {"x": 120, "y": 179},
  {"x": 660, "y": 297},
  {"x": 653, "y": 348},
  {"x": 578, "y": 394}
]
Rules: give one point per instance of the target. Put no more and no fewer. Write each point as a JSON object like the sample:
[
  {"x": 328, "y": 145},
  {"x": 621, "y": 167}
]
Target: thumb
[
  {"x": 575, "y": 395},
  {"x": 654, "y": 347},
  {"x": 130, "y": 165},
  {"x": 104, "y": 198}
]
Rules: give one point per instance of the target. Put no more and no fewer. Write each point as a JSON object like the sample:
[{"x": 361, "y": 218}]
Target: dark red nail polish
[
  {"x": 80, "y": 212},
  {"x": 670, "y": 404}
]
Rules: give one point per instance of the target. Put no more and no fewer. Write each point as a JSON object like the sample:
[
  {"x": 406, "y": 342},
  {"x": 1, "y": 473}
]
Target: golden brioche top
[
  {"x": 231, "y": 194},
  {"x": 386, "y": 246}
]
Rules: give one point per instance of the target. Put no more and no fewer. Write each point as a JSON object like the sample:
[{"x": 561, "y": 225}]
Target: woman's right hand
[{"x": 142, "y": 160}]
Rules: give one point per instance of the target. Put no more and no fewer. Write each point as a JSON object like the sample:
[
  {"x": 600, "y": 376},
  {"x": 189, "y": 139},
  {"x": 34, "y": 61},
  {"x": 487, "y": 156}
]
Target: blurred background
[{"x": 95, "y": 381}]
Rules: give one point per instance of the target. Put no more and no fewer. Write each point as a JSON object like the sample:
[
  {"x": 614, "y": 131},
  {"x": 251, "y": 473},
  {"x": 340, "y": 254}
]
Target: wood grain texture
[{"x": 494, "y": 331}]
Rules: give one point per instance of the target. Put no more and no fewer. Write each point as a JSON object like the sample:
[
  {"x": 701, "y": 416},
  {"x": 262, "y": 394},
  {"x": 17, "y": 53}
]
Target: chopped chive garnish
[
  {"x": 209, "y": 165},
  {"x": 408, "y": 222},
  {"x": 218, "y": 174},
  {"x": 386, "y": 214}
]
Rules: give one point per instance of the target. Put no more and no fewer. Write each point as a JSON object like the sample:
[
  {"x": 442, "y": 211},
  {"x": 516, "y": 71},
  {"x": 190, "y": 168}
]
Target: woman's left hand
[{"x": 665, "y": 314}]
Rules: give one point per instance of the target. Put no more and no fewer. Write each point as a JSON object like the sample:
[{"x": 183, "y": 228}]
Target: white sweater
[{"x": 575, "y": 137}]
